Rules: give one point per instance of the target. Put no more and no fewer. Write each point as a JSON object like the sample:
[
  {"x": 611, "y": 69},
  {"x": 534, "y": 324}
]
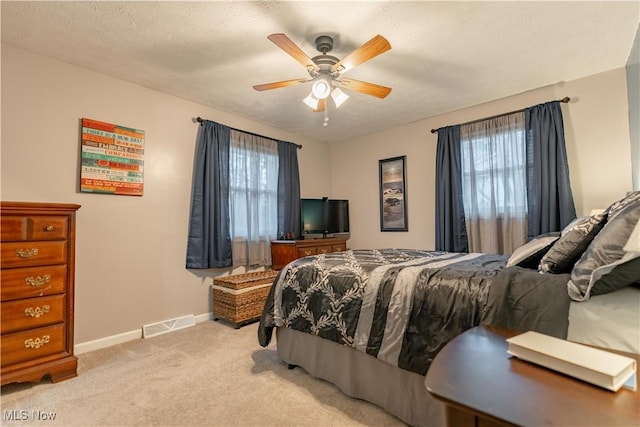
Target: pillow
[
  {"x": 573, "y": 241},
  {"x": 529, "y": 254},
  {"x": 606, "y": 266},
  {"x": 617, "y": 206},
  {"x": 570, "y": 226}
]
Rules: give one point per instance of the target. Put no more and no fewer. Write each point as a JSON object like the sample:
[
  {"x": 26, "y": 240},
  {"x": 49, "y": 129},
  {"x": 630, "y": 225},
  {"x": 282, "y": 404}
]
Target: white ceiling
[{"x": 444, "y": 56}]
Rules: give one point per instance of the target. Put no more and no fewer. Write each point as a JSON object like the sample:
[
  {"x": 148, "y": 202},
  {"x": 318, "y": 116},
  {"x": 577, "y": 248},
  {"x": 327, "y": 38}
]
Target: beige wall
[
  {"x": 598, "y": 147},
  {"x": 130, "y": 250},
  {"x": 633, "y": 90}
]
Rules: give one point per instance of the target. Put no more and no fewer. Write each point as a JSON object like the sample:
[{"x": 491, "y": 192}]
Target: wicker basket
[{"x": 240, "y": 298}]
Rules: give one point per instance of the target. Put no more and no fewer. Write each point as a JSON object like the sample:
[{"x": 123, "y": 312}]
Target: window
[
  {"x": 243, "y": 182},
  {"x": 494, "y": 171},
  {"x": 494, "y": 174},
  {"x": 253, "y": 198},
  {"x": 504, "y": 175}
]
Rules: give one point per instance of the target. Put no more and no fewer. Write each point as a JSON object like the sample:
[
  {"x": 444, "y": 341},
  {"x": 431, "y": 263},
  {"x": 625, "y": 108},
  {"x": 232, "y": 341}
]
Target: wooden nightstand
[{"x": 483, "y": 385}]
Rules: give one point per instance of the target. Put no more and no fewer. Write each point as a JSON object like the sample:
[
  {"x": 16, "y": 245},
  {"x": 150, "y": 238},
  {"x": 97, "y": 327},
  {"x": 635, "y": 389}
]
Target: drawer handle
[
  {"x": 36, "y": 312},
  {"x": 37, "y": 342},
  {"x": 27, "y": 253},
  {"x": 38, "y": 281},
  {"x": 49, "y": 228}
]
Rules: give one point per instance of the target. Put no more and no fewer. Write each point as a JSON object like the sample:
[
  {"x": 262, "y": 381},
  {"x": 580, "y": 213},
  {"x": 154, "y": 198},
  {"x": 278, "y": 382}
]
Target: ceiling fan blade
[
  {"x": 286, "y": 44},
  {"x": 365, "y": 87},
  {"x": 367, "y": 51},
  {"x": 284, "y": 83}
]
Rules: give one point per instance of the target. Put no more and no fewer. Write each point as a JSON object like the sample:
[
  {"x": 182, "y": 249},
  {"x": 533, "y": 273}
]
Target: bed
[{"x": 371, "y": 321}]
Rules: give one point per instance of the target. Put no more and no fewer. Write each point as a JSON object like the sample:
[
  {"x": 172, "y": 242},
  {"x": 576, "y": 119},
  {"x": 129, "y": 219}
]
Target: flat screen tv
[{"x": 324, "y": 216}]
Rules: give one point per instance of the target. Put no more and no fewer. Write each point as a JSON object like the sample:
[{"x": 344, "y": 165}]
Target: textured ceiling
[{"x": 444, "y": 56}]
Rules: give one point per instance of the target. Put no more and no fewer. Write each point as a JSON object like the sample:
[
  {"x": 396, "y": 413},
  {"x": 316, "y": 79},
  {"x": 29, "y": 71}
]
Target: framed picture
[
  {"x": 393, "y": 196},
  {"x": 112, "y": 159}
]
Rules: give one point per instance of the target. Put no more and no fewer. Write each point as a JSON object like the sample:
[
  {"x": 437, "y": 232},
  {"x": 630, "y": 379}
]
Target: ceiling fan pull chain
[{"x": 326, "y": 116}]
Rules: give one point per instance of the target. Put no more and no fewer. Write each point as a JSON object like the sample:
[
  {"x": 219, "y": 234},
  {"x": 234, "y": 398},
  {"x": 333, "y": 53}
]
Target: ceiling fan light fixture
[
  {"x": 311, "y": 101},
  {"x": 339, "y": 97},
  {"x": 322, "y": 87}
]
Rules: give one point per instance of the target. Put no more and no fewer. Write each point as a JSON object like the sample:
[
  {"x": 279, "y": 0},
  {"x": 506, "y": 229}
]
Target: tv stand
[{"x": 285, "y": 251}]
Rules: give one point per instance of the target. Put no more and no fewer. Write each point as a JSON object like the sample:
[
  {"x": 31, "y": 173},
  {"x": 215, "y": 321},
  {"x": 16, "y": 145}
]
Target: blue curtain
[
  {"x": 451, "y": 231},
  {"x": 549, "y": 196},
  {"x": 209, "y": 243},
  {"x": 288, "y": 189}
]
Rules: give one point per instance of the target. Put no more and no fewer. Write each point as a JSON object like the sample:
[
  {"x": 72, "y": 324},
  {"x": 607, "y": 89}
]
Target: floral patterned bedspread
[{"x": 403, "y": 305}]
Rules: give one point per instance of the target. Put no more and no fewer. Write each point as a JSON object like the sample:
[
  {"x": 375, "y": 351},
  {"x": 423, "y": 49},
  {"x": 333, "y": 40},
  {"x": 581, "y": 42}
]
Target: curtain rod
[
  {"x": 564, "y": 100},
  {"x": 201, "y": 120}
]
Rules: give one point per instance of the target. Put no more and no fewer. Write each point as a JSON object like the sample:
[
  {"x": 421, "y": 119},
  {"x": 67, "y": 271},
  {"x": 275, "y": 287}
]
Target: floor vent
[{"x": 165, "y": 326}]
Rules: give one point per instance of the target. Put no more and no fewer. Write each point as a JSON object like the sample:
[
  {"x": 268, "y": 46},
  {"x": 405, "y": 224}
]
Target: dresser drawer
[
  {"x": 25, "y": 254},
  {"x": 339, "y": 248},
  {"x": 323, "y": 250},
  {"x": 33, "y": 281},
  {"x": 32, "y": 344},
  {"x": 32, "y": 312},
  {"x": 13, "y": 228},
  {"x": 302, "y": 252},
  {"x": 18, "y": 228}
]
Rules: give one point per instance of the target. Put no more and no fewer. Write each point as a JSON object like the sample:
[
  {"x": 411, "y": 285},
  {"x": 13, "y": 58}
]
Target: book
[{"x": 600, "y": 367}]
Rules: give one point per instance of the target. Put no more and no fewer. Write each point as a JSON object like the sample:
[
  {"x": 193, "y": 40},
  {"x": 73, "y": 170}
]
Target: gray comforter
[{"x": 403, "y": 305}]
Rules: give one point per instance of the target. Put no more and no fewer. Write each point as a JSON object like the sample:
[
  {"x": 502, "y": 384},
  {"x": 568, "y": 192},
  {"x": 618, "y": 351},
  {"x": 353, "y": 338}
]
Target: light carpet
[{"x": 207, "y": 375}]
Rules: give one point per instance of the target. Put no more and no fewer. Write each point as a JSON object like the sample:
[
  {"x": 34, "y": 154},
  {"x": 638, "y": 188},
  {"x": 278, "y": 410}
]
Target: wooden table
[{"x": 483, "y": 385}]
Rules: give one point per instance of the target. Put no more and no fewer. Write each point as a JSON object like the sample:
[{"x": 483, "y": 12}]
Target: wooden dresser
[
  {"x": 38, "y": 260},
  {"x": 285, "y": 251}
]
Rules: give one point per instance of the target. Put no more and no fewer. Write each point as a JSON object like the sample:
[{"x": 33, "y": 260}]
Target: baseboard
[
  {"x": 204, "y": 317},
  {"x": 92, "y": 345},
  {"x": 107, "y": 341}
]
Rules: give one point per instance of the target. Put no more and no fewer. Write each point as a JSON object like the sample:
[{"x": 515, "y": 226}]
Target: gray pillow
[
  {"x": 529, "y": 254},
  {"x": 618, "y": 205},
  {"x": 573, "y": 241},
  {"x": 605, "y": 265}
]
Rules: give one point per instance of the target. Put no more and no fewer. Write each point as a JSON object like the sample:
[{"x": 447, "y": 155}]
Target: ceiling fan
[{"x": 325, "y": 71}]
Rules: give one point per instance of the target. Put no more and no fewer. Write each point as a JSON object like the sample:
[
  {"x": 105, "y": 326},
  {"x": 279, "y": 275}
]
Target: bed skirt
[{"x": 357, "y": 374}]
